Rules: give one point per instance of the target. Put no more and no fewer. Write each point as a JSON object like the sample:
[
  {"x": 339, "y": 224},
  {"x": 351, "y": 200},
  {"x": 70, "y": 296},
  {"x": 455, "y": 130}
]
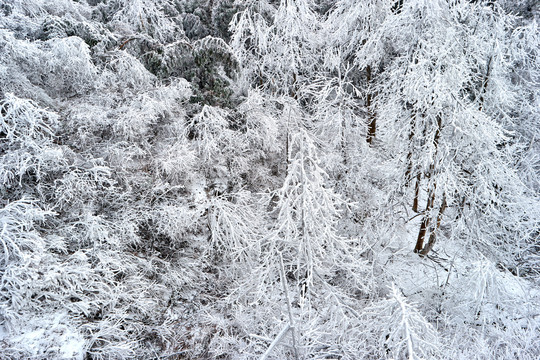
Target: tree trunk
[
  {"x": 416, "y": 193},
  {"x": 433, "y": 234},
  {"x": 408, "y": 172},
  {"x": 344, "y": 140},
  {"x": 294, "y": 89},
  {"x": 426, "y": 220},
  {"x": 410, "y": 153},
  {"x": 372, "y": 127},
  {"x": 483, "y": 87}
]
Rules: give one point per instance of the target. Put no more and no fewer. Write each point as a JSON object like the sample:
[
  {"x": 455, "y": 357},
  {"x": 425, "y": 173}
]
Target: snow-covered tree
[{"x": 191, "y": 179}]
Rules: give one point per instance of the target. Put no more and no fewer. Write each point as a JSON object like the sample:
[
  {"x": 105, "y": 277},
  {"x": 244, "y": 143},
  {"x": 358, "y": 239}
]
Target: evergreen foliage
[{"x": 292, "y": 179}]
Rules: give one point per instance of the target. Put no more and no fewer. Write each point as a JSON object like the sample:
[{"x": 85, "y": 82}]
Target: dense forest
[{"x": 269, "y": 179}]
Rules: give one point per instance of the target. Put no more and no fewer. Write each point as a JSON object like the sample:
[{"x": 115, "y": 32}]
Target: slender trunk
[
  {"x": 426, "y": 220},
  {"x": 483, "y": 87},
  {"x": 408, "y": 172},
  {"x": 372, "y": 127},
  {"x": 287, "y": 158},
  {"x": 461, "y": 208},
  {"x": 289, "y": 307},
  {"x": 421, "y": 234},
  {"x": 294, "y": 90},
  {"x": 287, "y": 155},
  {"x": 416, "y": 193},
  {"x": 433, "y": 234},
  {"x": 411, "y": 148},
  {"x": 409, "y": 169},
  {"x": 410, "y": 153},
  {"x": 344, "y": 142},
  {"x": 343, "y": 129}
]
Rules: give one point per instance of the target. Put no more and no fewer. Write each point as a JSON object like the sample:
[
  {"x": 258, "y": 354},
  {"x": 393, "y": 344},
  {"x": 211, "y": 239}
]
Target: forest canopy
[{"x": 263, "y": 179}]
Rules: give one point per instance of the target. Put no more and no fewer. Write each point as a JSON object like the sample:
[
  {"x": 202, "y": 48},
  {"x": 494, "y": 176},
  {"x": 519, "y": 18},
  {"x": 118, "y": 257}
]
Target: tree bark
[
  {"x": 426, "y": 220},
  {"x": 483, "y": 87},
  {"x": 433, "y": 234},
  {"x": 410, "y": 153},
  {"x": 416, "y": 193},
  {"x": 294, "y": 88},
  {"x": 372, "y": 127},
  {"x": 408, "y": 172}
]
